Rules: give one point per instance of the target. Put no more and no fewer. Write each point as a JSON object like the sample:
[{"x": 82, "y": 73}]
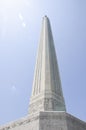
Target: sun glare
[
  {"x": 13, "y": 5},
  {"x": 12, "y": 12},
  {"x": 10, "y": 3}
]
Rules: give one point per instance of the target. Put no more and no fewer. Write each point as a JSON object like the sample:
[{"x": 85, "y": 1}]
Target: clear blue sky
[{"x": 20, "y": 25}]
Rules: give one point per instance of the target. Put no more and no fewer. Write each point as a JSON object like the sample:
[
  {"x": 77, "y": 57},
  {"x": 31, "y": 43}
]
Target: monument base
[{"x": 47, "y": 121}]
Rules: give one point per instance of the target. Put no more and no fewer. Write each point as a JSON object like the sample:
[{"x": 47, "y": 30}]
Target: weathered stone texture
[
  {"x": 60, "y": 121},
  {"x": 27, "y": 123},
  {"x": 47, "y": 121},
  {"x": 74, "y": 123},
  {"x": 52, "y": 121}
]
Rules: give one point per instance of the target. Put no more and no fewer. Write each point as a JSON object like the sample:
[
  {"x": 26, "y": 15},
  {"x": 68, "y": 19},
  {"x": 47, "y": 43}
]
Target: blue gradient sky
[{"x": 20, "y": 26}]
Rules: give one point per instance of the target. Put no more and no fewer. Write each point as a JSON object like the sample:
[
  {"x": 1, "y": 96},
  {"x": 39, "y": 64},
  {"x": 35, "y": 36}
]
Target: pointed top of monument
[{"x": 45, "y": 16}]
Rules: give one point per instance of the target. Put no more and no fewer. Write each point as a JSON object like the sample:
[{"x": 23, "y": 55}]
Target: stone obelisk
[
  {"x": 47, "y": 91},
  {"x": 47, "y": 107}
]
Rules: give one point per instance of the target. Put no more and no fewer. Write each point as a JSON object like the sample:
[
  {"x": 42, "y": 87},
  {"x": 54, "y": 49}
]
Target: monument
[{"x": 47, "y": 109}]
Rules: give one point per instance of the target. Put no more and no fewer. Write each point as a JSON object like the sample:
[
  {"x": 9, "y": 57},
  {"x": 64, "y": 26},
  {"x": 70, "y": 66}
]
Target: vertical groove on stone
[{"x": 37, "y": 77}]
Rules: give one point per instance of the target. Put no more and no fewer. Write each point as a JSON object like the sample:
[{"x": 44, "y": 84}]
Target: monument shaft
[{"x": 47, "y": 91}]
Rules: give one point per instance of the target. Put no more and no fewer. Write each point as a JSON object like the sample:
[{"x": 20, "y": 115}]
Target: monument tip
[{"x": 45, "y": 16}]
